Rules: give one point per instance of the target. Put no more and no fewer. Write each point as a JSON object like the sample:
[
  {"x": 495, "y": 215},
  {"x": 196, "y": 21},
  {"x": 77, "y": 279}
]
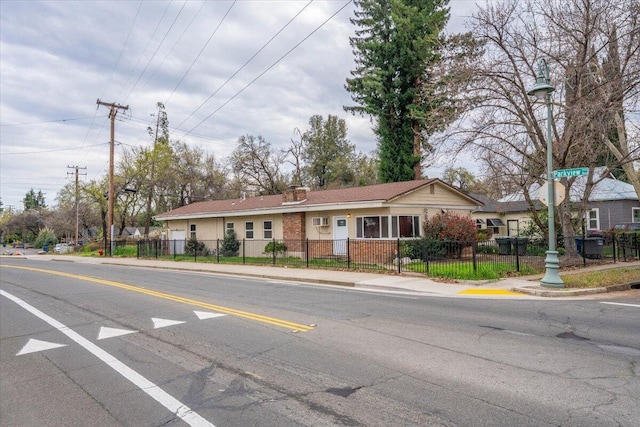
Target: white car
[{"x": 62, "y": 248}]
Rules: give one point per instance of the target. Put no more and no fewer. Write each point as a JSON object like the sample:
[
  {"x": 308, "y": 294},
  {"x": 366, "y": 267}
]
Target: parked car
[
  {"x": 62, "y": 248},
  {"x": 627, "y": 226}
]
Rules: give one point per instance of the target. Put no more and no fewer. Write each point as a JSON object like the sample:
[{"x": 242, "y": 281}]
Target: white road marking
[
  {"x": 207, "y": 314},
  {"x": 162, "y": 323},
  {"x": 105, "y": 332},
  {"x": 621, "y": 303},
  {"x": 175, "y": 406},
  {"x": 34, "y": 345}
]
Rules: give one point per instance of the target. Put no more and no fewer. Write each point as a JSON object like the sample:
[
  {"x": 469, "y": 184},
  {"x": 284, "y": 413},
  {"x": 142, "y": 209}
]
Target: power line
[
  {"x": 145, "y": 49},
  {"x": 157, "y": 48},
  {"x": 52, "y": 151},
  {"x": 265, "y": 71},
  {"x": 243, "y": 65},
  {"x": 49, "y": 121},
  {"x": 200, "y": 53}
]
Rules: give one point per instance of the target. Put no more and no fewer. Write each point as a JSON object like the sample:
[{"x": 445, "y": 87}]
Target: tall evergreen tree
[{"x": 397, "y": 47}]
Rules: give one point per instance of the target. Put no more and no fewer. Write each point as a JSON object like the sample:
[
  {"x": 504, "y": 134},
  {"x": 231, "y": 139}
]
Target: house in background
[
  {"x": 503, "y": 219},
  {"x": 364, "y": 215},
  {"x": 611, "y": 202}
]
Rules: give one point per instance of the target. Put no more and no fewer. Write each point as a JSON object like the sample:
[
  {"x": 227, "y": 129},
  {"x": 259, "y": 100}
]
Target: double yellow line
[{"x": 295, "y": 327}]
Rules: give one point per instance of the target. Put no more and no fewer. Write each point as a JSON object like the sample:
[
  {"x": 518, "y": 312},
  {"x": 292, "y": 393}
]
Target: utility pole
[
  {"x": 113, "y": 110},
  {"x": 77, "y": 173}
]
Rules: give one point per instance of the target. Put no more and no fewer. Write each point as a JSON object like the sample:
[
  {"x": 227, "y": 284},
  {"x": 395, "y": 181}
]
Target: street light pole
[{"x": 542, "y": 90}]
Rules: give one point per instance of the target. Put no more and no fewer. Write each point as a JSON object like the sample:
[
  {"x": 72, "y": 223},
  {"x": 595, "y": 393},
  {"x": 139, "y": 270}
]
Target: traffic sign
[
  {"x": 569, "y": 173},
  {"x": 558, "y": 193}
]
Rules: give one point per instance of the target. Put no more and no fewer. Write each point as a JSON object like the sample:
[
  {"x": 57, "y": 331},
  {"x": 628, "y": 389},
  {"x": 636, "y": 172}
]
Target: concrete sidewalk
[{"x": 521, "y": 287}]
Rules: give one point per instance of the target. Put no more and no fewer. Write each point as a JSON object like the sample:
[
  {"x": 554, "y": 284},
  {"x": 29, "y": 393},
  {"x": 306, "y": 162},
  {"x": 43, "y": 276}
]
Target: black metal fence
[{"x": 431, "y": 257}]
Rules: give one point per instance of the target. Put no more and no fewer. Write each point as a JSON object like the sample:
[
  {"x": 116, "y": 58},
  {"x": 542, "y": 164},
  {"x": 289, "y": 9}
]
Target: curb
[{"x": 573, "y": 292}]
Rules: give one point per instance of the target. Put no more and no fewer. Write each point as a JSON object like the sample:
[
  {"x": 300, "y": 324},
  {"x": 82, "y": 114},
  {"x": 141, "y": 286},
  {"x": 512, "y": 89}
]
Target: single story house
[
  {"x": 368, "y": 214},
  {"x": 611, "y": 202},
  {"x": 503, "y": 218}
]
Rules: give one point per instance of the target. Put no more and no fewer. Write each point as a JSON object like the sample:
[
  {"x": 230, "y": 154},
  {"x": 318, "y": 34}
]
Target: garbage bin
[
  {"x": 45, "y": 248},
  {"x": 504, "y": 245},
  {"x": 521, "y": 244},
  {"x": 592, "y": 247}
]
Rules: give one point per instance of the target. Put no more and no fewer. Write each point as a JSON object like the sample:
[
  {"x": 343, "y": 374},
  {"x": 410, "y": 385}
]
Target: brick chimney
[{"x": 294, "y": 194}]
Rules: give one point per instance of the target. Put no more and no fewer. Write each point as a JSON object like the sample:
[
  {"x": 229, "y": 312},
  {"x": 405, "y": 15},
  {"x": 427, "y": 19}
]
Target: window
[
  {"x": 229, "y": 226},
  {"x": 192, "y": 231},
  {"x": 495, "y": 222},
  {"x": 405, "y": 226},
  {"x": 479, "y": 223},
  {"x": 248, "y": 230},
  {"x": 635, "y": 214},
  {"x": 268, "y": 229},
  {"x": 593, "y": 219},
  {"x": 372, "y": 227},
  {"x": 383, "y": 227}
]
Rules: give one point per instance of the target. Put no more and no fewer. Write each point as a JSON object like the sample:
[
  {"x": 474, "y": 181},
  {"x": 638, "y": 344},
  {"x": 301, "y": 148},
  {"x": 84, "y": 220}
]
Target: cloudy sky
[{"x": 222, "y": 68}]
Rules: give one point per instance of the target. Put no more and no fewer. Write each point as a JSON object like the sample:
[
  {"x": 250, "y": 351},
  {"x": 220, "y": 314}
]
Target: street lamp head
[{"x": 543, "y": 86}]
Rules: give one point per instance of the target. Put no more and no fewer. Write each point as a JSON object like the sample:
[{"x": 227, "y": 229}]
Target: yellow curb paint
[
  {"x": 296, "y": 327},
  {"x": 488, "y": 292}
]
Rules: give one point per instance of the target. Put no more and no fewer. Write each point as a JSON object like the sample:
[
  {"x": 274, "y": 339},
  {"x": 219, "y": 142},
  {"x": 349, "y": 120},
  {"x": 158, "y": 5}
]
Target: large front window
[
  {"x": 383, "y": 227},
  {"x": 635, "y": 214},
  {"x": 248, "y": 230}
]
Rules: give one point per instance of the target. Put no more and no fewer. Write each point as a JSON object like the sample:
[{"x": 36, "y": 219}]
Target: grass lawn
[
  {"x": 464, "y": 271},
  {"x": 600, "y": 278}
]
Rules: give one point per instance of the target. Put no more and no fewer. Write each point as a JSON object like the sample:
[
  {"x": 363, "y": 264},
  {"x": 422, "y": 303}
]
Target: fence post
[
  {"x": 399, "y": 257},
  {"x": 306, "y": 251},
  {"x": 517, "y": 240},
  {"x": 155, "y": 244},
  {"x": 474, "y": 252},
  {"x": 218, "y": 251},
  {"x": 274, "y": 251},
  {"x": 244, "y": 260},
  {"x": 348, "y": 254}
]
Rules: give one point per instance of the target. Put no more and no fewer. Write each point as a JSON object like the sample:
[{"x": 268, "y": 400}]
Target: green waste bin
[
  {"x": 520, "y": 244},
  {"x": 504, "y": 245}
]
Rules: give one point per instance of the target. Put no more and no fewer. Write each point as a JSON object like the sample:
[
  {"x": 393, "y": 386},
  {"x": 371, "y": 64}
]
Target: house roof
[
  {"x": 379, "y": 193},
  {"x": 606, "y": 189},
  {"x": 491, "y": 205}
]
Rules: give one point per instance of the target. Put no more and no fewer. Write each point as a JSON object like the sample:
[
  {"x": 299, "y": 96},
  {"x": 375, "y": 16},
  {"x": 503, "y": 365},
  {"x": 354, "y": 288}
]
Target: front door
[
  {"x": 177, "y": 242},
  {"x": 340, "y": 235},
  {"x": 513, "y": 227}
]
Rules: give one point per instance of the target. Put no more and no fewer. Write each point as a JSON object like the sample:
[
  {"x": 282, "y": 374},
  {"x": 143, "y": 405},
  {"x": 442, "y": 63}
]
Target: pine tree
[{"x": 396, "y": 45}]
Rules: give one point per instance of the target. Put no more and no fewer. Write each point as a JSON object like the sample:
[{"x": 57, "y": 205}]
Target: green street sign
[{"x": 569, "y": 173}]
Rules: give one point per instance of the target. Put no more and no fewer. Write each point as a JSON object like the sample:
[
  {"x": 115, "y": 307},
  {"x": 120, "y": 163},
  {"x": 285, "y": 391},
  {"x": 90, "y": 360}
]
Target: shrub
[
  {"x": 422, "y": 249},
  {"x": 450, "y": 226},
  {"x": 195, "y": 247},
  {"x": 230, "y": 245},
  {"x": 46, "y": 237},
  {"x": 274, "y": 247}
]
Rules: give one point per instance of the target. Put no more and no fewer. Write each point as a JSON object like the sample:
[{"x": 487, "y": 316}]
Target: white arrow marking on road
[
  {"x": 161, "y": 323},
  {"x": 159, "y": 395},
  {"x": 112, "y": 332},
  {"x": 34, "y": 345},
  {"x": 207, "y": 314}
]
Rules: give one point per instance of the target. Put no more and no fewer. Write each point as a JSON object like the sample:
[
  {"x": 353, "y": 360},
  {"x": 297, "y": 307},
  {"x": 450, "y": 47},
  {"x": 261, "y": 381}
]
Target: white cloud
[{"x": 58, "y": 57}]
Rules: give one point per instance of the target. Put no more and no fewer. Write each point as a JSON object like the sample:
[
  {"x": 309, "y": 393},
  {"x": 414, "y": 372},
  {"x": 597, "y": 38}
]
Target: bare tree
[
  {"x": 592, "y": 47},
  {"x": 257, "y": 165}
]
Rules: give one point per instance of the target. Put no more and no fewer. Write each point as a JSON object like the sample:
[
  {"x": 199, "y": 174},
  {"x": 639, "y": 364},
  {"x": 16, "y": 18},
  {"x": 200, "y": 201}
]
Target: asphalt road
[{"x": 100, "y": 345}]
